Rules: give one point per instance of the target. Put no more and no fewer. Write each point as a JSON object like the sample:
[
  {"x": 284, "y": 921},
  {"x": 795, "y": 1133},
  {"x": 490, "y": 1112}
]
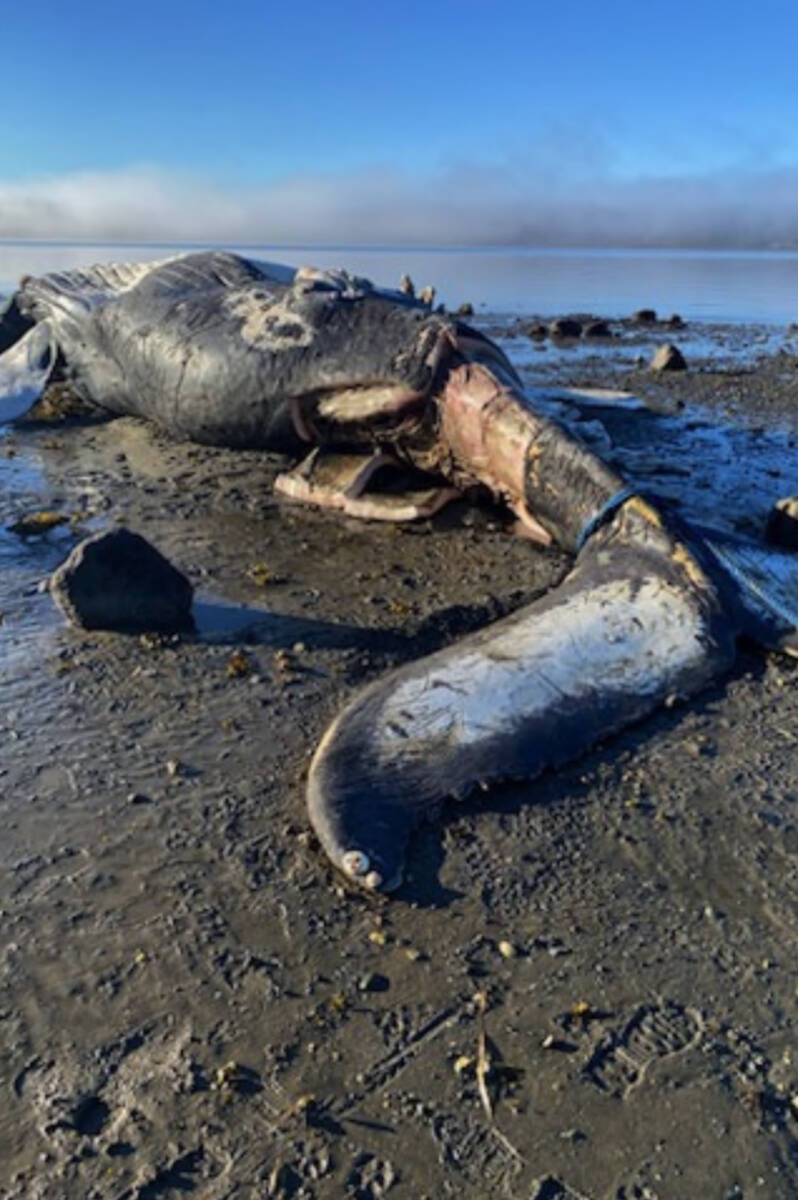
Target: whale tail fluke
[
  {"x": 759, "y": 583},
  {"x": 636, "y": 622}
]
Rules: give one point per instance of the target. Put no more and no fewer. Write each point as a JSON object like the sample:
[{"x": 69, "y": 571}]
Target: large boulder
[{"x": 117, "y": 580}]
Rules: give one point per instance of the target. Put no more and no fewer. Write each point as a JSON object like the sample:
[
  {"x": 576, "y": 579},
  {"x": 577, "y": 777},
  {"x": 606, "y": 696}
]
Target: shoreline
[
  {"x": 190, "y": 999},
  {"x": 737, "y": 288}
]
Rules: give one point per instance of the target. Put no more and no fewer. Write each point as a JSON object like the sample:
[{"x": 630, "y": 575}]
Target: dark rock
[
  {"x": 597, "y": 329},
  {"x": 668, "y": 358},
  {"x": 537, "y": 331},
  {"x": 674, "y": 321},
  {"x": 118, "y": 581},
  {"x": 465, "y": 310},
  {"x": 645, "y": 316},
  {"x": 565, "y": 327},
  {"x": 13, "y": 323},
  {"x": 374, "y": 982},
  {"x": 138, "y": 798},
  {"x": 782, "y": 525}
]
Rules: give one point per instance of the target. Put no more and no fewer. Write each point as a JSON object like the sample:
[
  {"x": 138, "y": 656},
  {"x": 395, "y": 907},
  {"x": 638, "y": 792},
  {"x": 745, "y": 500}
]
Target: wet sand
[{"x": 585, "y": 990}]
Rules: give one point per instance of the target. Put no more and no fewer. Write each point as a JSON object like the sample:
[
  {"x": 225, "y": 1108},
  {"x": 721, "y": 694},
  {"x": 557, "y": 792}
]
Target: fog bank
[{"x": 466, "y": 204}]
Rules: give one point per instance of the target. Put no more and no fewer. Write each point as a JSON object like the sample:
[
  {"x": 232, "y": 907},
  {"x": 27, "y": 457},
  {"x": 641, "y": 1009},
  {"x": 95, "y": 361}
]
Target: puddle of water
[
  {"x": 724, "y": 474},
  {"x": 29, "y": 620},
  {"x": 21, "y": 473}
]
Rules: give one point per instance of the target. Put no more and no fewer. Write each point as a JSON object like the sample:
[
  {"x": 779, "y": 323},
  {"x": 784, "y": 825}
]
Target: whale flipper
[
  {"x": 25, "y": 370},
  {"x": 636, "y": 621}
]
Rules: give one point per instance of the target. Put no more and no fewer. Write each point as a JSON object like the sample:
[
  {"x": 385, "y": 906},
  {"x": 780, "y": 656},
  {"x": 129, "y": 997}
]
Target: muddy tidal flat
[{"x": 587, "y": 987}]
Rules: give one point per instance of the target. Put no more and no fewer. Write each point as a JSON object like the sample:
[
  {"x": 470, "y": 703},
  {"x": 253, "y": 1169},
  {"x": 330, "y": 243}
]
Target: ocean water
[{"x": 711, "y": 286}]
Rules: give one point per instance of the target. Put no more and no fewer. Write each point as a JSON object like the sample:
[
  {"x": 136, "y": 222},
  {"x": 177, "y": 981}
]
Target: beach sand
[{"x": 585, "y": 990}]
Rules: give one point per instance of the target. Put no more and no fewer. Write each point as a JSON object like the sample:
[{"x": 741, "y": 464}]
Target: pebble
[
  {"x": 138, "y": 798},
  {"x": 373, "y": 982}
]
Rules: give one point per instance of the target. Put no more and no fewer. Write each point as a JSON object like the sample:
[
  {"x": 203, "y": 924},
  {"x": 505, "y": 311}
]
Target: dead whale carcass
[
  {"x": 223, "y": 350},
  {"x": 220, "y": 349}
]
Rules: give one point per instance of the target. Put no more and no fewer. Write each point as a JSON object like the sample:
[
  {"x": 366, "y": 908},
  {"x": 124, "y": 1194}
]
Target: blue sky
[{"x": 412, "y": 121}]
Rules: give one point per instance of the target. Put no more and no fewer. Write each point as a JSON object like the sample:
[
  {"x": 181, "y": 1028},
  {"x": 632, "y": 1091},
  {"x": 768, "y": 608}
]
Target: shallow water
[
  {"x": 631, "y": 345},
  {"x": 724, "y": 286}
]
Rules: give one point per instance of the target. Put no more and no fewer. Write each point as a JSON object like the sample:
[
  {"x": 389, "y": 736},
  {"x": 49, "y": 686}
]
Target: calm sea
[{"x": 737, "y": 287}]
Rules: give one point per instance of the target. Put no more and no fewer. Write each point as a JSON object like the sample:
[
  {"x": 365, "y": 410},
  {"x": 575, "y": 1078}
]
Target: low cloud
[{"x": 465, "y": 204}]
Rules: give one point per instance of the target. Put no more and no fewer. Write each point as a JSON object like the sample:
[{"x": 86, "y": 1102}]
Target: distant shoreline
[
  {"x": 531, "y": 248},
  {"x": 709, "y": 286}
]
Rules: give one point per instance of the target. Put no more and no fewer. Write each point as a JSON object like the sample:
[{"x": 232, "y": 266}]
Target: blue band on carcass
[{"x": 608, "y": 508}]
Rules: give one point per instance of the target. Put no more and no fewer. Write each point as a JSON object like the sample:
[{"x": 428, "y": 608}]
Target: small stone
[
  {"x": 465, "y": 310},
  {"x": 138, "y": 798},
  {"x": 537, "y": 331},
  {"x": 507, "y": 950},
  {"x": 668, "y": 358},
  {"x": 645, "y": 316},
  {"x": 782, "y": 524},
  {"x": 597, "y": 329},
  {"x": 550, "y": 1042},
  {"x": 373, "y": 982}
]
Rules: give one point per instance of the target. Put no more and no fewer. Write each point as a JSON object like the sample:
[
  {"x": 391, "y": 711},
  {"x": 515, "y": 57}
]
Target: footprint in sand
[
  {"x": 552, "y": 1188},
  {"x": 620, "y": 1061},
  {"x": 371, "y": 1178}
]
